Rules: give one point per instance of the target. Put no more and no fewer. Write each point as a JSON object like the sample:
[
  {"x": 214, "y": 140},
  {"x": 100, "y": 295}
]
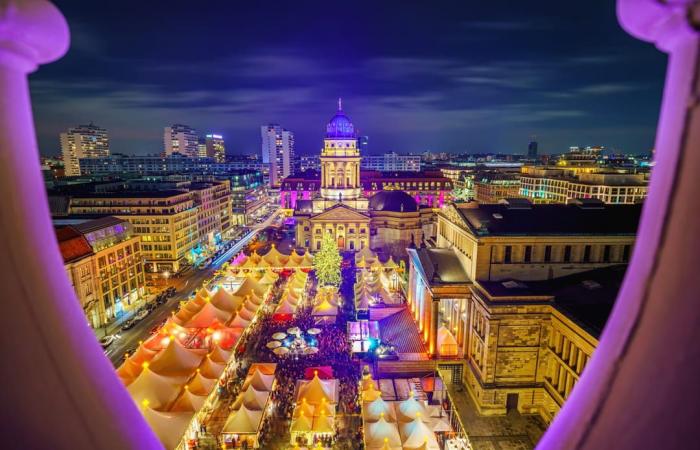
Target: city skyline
[{"x": 437, "y": 88}]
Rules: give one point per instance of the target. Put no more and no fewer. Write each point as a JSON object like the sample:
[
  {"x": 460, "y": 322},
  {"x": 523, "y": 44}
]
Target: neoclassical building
[{"x": 342, "y": 208}]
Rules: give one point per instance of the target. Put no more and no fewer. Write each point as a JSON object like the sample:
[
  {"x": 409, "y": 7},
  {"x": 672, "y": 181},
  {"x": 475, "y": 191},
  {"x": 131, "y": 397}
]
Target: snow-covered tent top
[
  {"x": 316, "y": 390},
  {"x": 417, "y": 435},
  {"x": 175, "y": 360},
  {"x": 151, "y": 389},
  {"x": 325, "y": 308},
  {"x": 302, "y": 423},
  {"x": 168, "y": 426},
  {"x": 377, "y": 408},
  {"x": 446, "y": 342},
  {"x": 408, "y": 409},
  {"x": 381, "y": 430},
  {"x": 260, "y": 381},
  {"x": 253, "y": 399},
  {"x": 242, "y": 421},
  {"x": 367, "y": 254},
  {"x": 189, "y": 401}
]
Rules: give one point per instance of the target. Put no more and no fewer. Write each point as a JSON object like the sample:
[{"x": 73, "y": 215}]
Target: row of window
[{"x": 566, "y": 254}]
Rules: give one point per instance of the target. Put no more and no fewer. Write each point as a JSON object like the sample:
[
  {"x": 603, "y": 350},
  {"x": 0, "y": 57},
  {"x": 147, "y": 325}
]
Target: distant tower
[
  {"x": 340, "y": 159},
  {"x": 83, "y": 141},
  {"x": 532, "y": 148},
  {"x": 214, "y": 147},
  {"x": 363, "y": 145}
]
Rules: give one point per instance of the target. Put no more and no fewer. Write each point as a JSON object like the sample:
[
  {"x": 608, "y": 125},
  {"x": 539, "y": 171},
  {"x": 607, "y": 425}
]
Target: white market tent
[
  {"x": 259, "y": 381},
  {"x": 285, "y": 308},
  {"x": 317, "y": 390},
  {"x": 151, "y": 389},
  {"x": 409, "y": 409},
  {"x": 325, "y": 308},
  {"x": 188, "y": 401},
  {"x": 372, "y": 411},
  {"x": 243, "y": 421},
  {"x": 381, "y": 431},
  {"x": 323, "y": 424},
  {"x": 168, "y": 426},
  {"x": 252, "y": 399},
  {"x": 302, "y": 424},
  {"x": 176, "y": 360},
  {"x": 417, "y": 435}
]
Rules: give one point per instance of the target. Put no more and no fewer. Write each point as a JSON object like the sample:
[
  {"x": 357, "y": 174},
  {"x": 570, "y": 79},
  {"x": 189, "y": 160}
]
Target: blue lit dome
[{"x": 340, "y": 126}]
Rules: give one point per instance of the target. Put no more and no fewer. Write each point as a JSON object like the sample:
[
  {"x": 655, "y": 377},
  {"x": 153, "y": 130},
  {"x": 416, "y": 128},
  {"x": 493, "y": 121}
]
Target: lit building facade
[
  {"x": 83, "y": 141},
  {"x": 551, "y": 185},
  {"x": 336, "y": 201},
  {"x": 278, "y": 152},
  {"x": 105, "y": 265},
  {"x": 181, "y": 139},
  {"x": 215, "y": 148},
  {"x": 392, "y": 162},
  {"x": 491, "y": 187}
]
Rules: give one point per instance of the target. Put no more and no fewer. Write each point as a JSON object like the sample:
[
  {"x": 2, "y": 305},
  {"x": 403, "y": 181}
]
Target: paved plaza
[{"x": 514, "y": 431}]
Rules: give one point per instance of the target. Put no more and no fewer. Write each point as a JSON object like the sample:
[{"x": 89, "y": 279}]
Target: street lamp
[{"x": 166, "y": 275}]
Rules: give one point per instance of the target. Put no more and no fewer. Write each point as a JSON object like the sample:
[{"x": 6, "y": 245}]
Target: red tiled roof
[{"x": 73, "y": 244}]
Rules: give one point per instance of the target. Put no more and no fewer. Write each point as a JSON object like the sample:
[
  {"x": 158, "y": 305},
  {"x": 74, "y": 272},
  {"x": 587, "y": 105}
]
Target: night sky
[{"x": 456, "y": 76}]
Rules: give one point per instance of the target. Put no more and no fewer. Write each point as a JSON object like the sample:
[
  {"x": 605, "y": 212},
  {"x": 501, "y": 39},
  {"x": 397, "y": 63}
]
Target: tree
[{"x": 327, "y": 262}]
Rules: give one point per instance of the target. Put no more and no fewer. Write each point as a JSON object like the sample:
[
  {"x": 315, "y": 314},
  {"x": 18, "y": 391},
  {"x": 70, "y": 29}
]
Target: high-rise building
[
  {"x": 532, "y": 148},
  {"x": 278, "y": 150},
  {"x": 181, "y": 139},
  {"x": 83, "y": 141},
  {"x": 201, "y": 148},
  {"x": 215, "y": 147},
  {"x": 363, "y": 145}
]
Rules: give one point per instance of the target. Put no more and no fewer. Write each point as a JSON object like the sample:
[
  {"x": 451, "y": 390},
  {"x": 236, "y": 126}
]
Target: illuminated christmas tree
[{"x": 327, "y": 262}]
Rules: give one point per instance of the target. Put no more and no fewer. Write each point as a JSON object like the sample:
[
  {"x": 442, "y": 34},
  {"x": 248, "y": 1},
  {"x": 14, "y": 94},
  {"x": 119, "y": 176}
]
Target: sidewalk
[{"x": 511, "y": 432}]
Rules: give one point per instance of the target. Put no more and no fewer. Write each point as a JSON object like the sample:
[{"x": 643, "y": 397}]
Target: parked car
[
  {"x": 141, "y": 314},
  {"x": 108, "y": 340},
  {"x": 129, "y": 324}
]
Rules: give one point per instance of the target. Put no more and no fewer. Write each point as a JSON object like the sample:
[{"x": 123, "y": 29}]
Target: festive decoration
[{"x": 327, "y": 262}]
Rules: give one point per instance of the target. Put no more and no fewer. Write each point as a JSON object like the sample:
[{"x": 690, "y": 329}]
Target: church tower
[{"x": 340, "y": 160}]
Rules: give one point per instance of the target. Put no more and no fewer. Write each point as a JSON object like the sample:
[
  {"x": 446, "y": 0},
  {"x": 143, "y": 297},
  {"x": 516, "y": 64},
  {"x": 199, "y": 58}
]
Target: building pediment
[{"x": 341, "y": 213}]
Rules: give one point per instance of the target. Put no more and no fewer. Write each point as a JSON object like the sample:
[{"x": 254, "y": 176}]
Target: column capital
[
  {"x": 665, "y": 24},
  {"x": 32, "y": 32}
]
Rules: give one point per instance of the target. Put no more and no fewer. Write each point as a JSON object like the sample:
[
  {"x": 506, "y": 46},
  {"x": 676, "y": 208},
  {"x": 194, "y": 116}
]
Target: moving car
[
  {"x": 108, "y": 340},
  {"x": 141, "y": 314},
  {"x": 129, "y": 324}
]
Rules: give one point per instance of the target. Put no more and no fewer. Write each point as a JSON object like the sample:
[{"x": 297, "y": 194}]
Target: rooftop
[
  {"x": 551, "y": 219},
  {"x": 73, "y": 245},
  {"x": 441, "y": 265},
  {"x": 587, "y": 298},
  {"x": 97, "y": 224}
]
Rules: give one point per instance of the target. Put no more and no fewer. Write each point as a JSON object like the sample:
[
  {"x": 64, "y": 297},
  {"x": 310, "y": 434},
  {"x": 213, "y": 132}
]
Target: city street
[{"x": 191, "y": 281}]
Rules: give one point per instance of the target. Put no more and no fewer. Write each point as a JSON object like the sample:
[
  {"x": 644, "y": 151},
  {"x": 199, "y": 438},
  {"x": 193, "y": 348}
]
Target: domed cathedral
[{"x": 342, "y": 209}]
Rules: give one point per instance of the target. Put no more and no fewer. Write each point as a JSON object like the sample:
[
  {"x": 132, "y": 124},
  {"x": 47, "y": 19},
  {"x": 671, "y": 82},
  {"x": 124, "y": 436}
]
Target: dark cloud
[{"x": 466, "y": 76}]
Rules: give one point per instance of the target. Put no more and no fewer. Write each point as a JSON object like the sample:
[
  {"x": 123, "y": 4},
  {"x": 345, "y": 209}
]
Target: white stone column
[{"x": 59, "y": 390}]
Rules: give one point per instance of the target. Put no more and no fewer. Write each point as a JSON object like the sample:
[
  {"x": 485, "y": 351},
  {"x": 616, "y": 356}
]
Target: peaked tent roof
[
  {"x": 242, "y": 421},
  {"x": 285, "y": 308},
  {"x": 367, "y": 254},
  {"x": 408, "y": 409},
  {"x": 259, "y": 381},
  {"x": 316, "y": 390},
  {"x": 168, "y": 426},
  {"x": 380, "y": 430},
  {"x": 226, "y": 301},
  {"x": 373, "y": 410},
  {"x": 201, "y": 385},
  {"x": 417, "y": 435},
  {"x": 325, "y": 308},
  {"x": 253, "y": 399},
  {"x": 188, "y": 401},
  {"x": 158, "y": 390},
  {"x": 323, "y": 424},
  {"x": 176, "y": 360},
  {"x": 206, "y": 316},
  {"x": 302, "y": 423}
]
